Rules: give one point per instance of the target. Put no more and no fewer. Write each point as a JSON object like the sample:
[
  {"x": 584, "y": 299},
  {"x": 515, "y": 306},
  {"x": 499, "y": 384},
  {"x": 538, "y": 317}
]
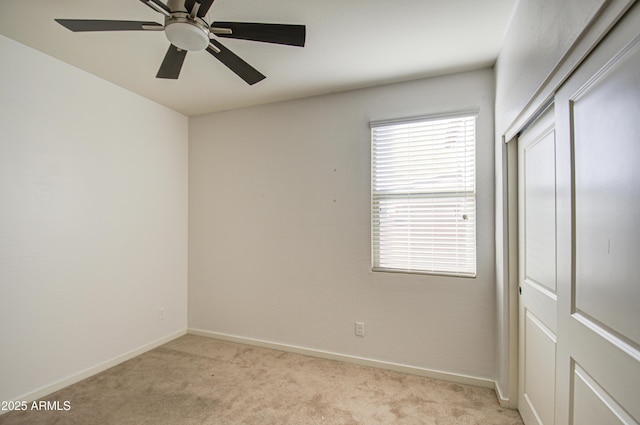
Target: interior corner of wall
[{"x": 504, "y": 400}]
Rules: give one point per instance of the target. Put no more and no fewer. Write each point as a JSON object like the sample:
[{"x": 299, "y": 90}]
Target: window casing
[{"x": 423, "y": 195}]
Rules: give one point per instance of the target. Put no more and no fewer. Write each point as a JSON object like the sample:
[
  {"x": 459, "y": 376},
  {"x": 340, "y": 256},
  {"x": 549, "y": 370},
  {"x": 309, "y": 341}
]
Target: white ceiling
[{"x": 350, "y": 44}]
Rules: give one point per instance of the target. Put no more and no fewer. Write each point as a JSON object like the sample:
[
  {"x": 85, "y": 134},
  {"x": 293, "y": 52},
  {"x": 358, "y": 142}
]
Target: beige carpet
[{"x": 196, "y": 380}]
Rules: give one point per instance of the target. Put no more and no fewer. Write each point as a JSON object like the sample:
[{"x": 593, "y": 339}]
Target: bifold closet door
[
  {"x": 598, "y": 234},
  {"x": 537, "y": 269}
]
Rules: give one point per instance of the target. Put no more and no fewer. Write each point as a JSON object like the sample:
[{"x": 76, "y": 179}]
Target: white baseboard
[
  {"x": 427, "y": 373},
  {"x": 77, "y": 377},
  {"x": 504, "y": 401}
]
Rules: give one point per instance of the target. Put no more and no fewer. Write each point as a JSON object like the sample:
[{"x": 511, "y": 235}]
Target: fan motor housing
[{"x": 185, "y": 32}]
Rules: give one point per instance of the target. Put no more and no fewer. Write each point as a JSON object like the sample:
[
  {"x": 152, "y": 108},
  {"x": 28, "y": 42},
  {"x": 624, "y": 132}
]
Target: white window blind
[{"x": 424, "y": 196}]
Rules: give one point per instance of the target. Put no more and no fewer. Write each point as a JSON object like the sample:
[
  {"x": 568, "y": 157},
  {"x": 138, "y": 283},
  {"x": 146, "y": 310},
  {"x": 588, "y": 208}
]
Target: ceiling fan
[{"x": 187, "y": 28}]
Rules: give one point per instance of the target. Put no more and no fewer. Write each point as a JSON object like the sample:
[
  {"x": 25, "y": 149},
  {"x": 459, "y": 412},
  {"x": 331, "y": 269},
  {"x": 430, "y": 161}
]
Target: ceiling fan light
[{"x": 186, "y": 35}]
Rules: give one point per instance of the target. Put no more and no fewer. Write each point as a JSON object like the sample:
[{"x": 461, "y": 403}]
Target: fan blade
[
  {"x": 78, "y": 25},
  {"x": 204, "y": 8},
  {"x": 188, "y": 4},
  {"x": 172, "y": 63},
  {"x": 242, "y": 69},
  {"x": 158, "y": 6},
  {"x": 291, "y": 35}
]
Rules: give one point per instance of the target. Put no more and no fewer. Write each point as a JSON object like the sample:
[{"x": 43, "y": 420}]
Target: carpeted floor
[{"x": 197, "y": 380}]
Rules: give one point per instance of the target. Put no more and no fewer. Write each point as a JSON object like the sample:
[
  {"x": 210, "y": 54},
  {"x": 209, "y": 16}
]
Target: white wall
[
  {"x": 279, "y": 246},
  {"x": 540, "y": 33},
  {"x": 93, "y": 222}
]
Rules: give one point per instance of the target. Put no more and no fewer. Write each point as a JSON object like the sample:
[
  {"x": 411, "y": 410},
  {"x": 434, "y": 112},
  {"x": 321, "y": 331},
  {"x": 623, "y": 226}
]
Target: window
[{"x": 423, "y": 195}]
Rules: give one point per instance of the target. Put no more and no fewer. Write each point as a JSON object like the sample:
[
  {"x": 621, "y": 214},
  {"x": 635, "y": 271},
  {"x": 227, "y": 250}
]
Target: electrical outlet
[
  {"x": 359, "y": 328},
  {"x": 161, "y": 313}
]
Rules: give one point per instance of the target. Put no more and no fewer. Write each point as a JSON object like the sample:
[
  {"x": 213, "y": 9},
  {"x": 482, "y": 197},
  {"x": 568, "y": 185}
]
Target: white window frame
[{"x": 418, "y": 223}]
